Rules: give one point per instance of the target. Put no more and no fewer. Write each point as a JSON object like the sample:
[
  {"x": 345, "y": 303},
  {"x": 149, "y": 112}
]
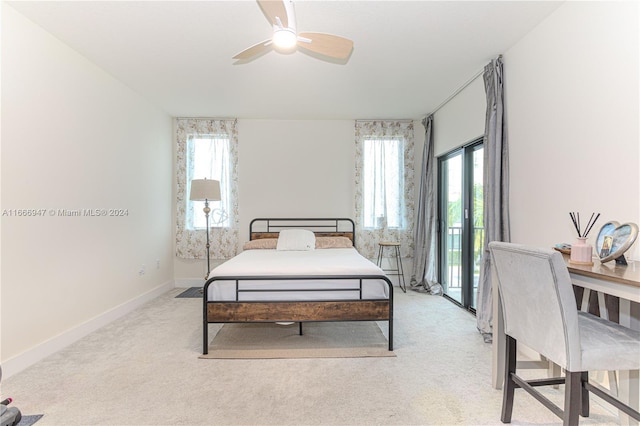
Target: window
[
  {"x": 208, "y": 156},
  {"x": 206, "y": 148},
  {"x": 384, "y": 198},
  {"x": 383, "y": 180}
]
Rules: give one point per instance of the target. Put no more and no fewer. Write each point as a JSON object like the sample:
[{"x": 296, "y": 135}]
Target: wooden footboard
[
  {"x": 359, "y": 310},
  {"x": 296, "y": 311}
]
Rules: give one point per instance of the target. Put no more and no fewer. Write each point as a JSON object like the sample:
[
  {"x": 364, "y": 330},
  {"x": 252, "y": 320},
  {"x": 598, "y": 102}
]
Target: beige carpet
[
  {"x": 319, "y": 340},
  {"x": 143, "y": 370}
]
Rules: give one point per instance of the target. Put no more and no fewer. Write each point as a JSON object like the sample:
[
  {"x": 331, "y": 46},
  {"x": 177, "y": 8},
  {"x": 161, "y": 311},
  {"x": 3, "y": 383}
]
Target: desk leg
[
  {"x": 499, "y": 341},
  {"x": 629, "y": 385},
  {"x": 584, "y": 307},
  {"x": 602, "y": 306}
]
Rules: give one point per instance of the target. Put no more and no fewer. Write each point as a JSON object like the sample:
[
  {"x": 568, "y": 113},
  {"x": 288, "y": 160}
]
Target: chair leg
[
  {"x": 509, "y": 385},
  {"x": 572, "y": 398}
]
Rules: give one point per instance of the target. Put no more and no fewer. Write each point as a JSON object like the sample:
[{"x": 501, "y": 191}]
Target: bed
[{"x": 273, "y": 280}]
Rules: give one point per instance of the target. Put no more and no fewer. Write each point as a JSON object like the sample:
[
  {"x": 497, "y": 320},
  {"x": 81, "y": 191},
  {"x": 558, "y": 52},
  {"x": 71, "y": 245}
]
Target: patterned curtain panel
[
  {"x": 384, "y": 201},
  {"x": 217, "y": 158}
]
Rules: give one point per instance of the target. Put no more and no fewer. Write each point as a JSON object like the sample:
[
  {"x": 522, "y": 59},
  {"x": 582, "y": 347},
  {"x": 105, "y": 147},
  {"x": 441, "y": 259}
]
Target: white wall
[
  {"x": 572, "y": 111},
  {"x": 75, "y": 138},
  {"x": 571, "y": 94},
  {"x": 295, "y": 168},
  {"x": 461, "y": 120},
  {"x": 292, "y": 168}
]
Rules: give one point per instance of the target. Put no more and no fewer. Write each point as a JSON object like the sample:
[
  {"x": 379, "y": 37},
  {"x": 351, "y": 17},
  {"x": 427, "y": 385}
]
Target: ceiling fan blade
[
  {"x": 326, "y": 44},
  {"x": 254, "y": 50},
  {"x": 274, "y": 9}
]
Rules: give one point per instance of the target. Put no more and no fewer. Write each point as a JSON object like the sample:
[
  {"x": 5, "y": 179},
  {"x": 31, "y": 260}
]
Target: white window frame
[
  {"x": 211, "y": 162},
  {"x": 383, "y": 182}
]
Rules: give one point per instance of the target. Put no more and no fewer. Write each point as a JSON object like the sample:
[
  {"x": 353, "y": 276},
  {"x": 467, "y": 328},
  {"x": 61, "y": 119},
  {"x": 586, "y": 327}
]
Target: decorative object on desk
[
  {"x": 614, "y": 240},
  {"x": 205, "y": 190},
  {"x": 607, "y": 243},
  {"x": 581, "y": 251},
  {"x": 575, "y": 218},
  {"x": 564, "y": 248}
]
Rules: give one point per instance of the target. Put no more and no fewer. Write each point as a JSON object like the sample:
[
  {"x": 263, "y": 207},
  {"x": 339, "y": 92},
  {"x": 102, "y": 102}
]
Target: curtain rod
[{"x": 454, "y": 94}]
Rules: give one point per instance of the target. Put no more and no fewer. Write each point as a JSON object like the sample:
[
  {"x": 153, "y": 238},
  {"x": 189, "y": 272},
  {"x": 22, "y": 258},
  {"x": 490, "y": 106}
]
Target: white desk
[{"x": 617, "y": 280}]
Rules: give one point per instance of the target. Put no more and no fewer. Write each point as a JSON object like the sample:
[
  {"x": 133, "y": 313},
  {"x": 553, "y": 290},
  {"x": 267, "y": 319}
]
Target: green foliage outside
[{"x": 455, "y": 217}]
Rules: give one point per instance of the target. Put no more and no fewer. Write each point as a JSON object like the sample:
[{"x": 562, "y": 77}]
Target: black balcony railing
[{"x": 453, "y": 254}]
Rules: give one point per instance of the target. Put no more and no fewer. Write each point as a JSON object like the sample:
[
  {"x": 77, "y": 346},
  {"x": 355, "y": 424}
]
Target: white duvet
[{"x": 322, "y": 262}]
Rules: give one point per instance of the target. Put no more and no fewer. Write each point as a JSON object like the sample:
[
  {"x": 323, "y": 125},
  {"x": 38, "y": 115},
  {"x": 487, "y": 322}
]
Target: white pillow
[{"x": 296, "y": 239}]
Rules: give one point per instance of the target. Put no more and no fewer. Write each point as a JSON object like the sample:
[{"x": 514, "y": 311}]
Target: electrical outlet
[
  {"x": 142, "y": 270},
  {"x": 157, "y": 263}
]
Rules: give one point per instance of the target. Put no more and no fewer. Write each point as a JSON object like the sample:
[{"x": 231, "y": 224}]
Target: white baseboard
[{"x": 28, "y": 358}]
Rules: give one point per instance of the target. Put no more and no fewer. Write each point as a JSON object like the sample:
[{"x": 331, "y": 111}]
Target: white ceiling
[{"x": 408, "y": 56}]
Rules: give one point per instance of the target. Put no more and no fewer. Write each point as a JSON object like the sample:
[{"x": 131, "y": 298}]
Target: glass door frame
[{"x": 468, "y": 230}]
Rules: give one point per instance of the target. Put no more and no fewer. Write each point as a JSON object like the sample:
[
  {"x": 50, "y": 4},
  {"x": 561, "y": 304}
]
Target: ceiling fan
[{"x": 286, "y": 39}]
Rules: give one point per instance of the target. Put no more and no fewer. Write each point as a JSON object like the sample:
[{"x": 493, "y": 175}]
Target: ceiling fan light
[{"x": 284, "y": 39}]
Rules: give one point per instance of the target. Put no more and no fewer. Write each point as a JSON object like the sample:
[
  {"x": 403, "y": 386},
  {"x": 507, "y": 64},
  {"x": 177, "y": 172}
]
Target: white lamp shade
[
  {"x": 285, "y": 39},
  {"x": 205, "y": 189}
]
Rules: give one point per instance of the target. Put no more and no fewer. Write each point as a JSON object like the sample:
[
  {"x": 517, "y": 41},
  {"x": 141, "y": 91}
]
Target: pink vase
[{"x": 581, "y": 252}]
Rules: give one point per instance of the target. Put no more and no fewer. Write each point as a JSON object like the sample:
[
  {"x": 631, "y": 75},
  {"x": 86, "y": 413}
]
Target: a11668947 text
[{"x": 65, "y": 212}]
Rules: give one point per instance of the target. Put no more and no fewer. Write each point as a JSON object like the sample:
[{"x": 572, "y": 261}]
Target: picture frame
[{"x": 614, "y": 240}]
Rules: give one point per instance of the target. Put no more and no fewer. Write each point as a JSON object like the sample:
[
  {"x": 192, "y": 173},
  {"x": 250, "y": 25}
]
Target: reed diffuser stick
[
  {"x": 592, "y": 223},
  {"x": 575, "y": 224},
  {"x": 575, "y": 218}
]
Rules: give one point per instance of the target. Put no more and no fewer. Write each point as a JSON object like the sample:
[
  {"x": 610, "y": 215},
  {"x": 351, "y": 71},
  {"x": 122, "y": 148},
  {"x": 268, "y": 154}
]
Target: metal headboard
[{"x": 322, "y": 227}]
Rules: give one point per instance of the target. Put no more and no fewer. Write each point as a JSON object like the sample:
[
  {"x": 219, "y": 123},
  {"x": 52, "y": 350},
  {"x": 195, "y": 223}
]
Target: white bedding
[{"x": 324, "y": 262}]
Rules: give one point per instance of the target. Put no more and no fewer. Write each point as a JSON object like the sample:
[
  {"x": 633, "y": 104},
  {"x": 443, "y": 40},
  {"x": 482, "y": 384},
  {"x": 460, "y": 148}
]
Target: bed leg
[
  {"x": 205, "y": 320},
  {"x": 205, "y": 331},
  {"x": 205, "y": 338},
  {"x": 300, "y": 328}
]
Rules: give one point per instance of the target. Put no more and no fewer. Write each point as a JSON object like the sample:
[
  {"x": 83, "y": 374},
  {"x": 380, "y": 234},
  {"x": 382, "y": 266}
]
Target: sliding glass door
[{"x": 461, "y": 231}]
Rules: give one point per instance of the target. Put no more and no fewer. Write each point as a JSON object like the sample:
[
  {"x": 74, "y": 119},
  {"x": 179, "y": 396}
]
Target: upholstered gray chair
[{"x": 540, "y": 312}]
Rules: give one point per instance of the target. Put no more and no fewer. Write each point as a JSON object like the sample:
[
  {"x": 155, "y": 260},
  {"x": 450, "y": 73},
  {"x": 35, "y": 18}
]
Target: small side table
[{"x": 396, "y": 253}]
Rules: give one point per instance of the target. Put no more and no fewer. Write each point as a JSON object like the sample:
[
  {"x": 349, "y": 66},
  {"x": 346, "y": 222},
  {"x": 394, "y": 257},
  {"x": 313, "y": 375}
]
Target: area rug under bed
[{"x": 319, "y": 340}]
